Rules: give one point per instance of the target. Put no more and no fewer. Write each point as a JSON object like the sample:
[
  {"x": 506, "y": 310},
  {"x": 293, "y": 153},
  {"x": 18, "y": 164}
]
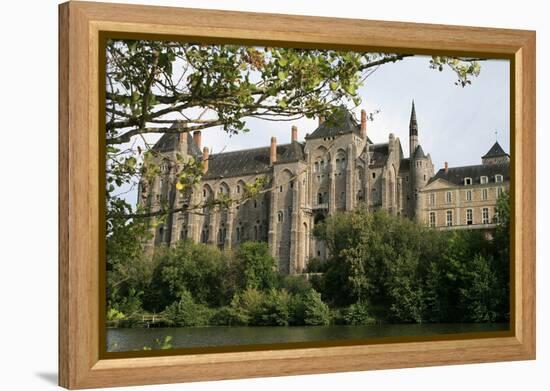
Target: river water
[{"x": 120, "y": 340}]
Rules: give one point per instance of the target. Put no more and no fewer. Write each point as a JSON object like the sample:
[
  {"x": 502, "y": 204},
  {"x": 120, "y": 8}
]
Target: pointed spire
[
  {"x": 496, "y": 150},
  {"x": 413, "y": 125}
]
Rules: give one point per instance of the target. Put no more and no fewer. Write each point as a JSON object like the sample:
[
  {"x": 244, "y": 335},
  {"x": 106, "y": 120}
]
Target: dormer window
[
  {"x": 498, "y": 178},
  {"x": 467, "y": 181},
  {"x": 483, "y": 180}
]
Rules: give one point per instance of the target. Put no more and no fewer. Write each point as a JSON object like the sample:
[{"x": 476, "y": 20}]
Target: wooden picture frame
[{"x": 80, "y": 213}]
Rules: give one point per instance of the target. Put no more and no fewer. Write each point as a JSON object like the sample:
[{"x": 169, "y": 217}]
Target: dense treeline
[
  {"x": 399, "y": 271},
  {"x": 383, "y": 268}
]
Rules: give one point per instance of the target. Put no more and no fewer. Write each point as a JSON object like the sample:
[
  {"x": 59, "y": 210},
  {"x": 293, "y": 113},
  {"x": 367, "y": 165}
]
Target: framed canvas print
[{"x": 247, "y": 195}]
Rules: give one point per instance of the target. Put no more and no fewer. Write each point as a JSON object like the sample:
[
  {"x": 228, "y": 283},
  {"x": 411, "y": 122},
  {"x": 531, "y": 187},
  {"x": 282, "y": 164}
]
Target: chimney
[
  {"x": 205, "y": 157},
  {"x": 182, "y": 137},
  {"x": 363, "y": 124},
  {"x": 197, "y": 138},
  {"x": 273, "y": 151},
  {"x": 321, "y": 120},
  {"x": 446, "y": 167},
  {"x": 294, "y": 136}
]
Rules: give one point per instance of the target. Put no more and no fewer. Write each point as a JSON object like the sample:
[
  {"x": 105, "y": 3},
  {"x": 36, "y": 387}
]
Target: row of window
[
  {"x": 483, "y": 179},
  {"x": 320, "y": 165},
  {"x": 467, "y": 193},
  {"x": 449, "y": 221},
  {"x": 222, "y": 234}
]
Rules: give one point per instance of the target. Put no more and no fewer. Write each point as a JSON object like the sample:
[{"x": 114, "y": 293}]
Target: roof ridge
[
  {"x": 251, "y": 149},
  {"x": 476, "y": 165}
]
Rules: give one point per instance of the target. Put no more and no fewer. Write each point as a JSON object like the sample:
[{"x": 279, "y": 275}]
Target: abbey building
[{"x": 336, "y": 168}]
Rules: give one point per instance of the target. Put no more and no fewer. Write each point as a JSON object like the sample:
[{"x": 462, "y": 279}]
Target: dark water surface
[{"x": 120, "y": 340}]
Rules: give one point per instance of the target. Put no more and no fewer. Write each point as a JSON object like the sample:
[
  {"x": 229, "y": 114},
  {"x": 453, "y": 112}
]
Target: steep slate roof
[
  {"x": 170, "y": 141},
  {"x": 495, "y": 151},
  {"x": 340, "y": 122},
  {"x": 456, "y": 175},
  {"x": 250, "y": 161},
  {"x": 294, "y": 152},
  {"x": 378, "y": 154},
  {"x": 419, "y": 153}
]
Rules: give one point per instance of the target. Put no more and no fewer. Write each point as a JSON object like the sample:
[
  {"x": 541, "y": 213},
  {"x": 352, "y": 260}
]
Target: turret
[{"x": 420, "y": 164}]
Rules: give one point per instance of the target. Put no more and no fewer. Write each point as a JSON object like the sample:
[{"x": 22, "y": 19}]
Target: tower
[
  {"x": 413, "y": 132},
  {"x": 421, "y": 167}
]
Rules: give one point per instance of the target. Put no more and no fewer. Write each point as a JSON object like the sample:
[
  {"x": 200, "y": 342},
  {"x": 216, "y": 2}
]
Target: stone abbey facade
[{"x": 336, "y": 168}]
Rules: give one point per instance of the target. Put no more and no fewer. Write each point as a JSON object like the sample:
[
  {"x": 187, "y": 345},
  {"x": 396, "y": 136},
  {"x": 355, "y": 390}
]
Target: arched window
[
  {"x": 165, "y": 167},
  {"x": 204, "y": 235},
  {"x": 320, "y": 198},
  {"x": 280, "y": 216}
]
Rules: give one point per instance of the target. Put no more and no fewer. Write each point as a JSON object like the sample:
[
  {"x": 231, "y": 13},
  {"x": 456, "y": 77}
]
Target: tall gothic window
[{"x": 204, "y": 235}]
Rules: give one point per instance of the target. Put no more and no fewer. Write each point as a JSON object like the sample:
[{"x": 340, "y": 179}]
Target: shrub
[
  {"x": 246, "y": 307},
  {"x": 295, "y": 285},
  {"x": 315, "y": 265},
  {"x": 357, "y": 314},
  {"x": 186, "y": 312},
  {"x": 275, "y": 309},
  {"x": 313, "y": 310}
]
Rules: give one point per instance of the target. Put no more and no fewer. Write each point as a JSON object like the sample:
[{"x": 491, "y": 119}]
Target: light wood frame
[{"x": 80, "y": 365}]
